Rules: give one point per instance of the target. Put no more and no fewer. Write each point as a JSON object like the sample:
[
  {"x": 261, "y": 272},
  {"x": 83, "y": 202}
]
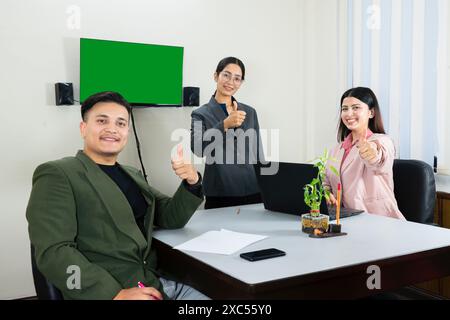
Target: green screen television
[{"x": 145, "y": 74}]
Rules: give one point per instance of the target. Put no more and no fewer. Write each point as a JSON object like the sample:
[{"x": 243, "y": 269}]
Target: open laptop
[{"x": 283, "y": 191}]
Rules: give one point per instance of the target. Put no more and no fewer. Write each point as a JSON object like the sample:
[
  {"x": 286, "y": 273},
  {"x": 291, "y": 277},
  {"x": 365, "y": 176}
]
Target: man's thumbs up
[
  {"x": 182, "y": 169},
  {"x": 180, "y": 152}
]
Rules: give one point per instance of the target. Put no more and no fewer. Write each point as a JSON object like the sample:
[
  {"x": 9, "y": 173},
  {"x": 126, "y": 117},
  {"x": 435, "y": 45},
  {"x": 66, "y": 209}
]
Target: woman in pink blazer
[{"x": 365, "y": 156}]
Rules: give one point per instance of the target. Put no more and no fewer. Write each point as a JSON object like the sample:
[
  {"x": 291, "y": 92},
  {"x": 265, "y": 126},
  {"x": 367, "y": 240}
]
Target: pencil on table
[{"x": 338, "y": 204}]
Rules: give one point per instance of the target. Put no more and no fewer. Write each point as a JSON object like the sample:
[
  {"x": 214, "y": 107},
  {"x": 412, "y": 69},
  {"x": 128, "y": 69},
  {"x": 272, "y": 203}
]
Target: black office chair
[
  {"x": 44, "y": 289},
  {"x": 415, "y": 190}
]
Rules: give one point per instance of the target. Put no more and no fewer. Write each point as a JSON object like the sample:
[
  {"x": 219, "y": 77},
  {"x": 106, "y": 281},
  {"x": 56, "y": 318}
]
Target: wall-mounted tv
[{"x": 145, "y": 74}]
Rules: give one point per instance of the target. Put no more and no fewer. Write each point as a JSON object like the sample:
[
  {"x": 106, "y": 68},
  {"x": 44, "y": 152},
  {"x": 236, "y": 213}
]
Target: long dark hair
[
  {"x": 230, "y": 60},
  {"x": 367, "y": 96}
]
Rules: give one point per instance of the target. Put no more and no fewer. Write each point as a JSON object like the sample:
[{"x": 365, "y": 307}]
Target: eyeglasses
[{"x": 228, "y": 77}]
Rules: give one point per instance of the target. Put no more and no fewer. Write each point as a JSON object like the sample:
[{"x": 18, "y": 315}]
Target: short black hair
[
  {"x": 230, "y": 60},
  {"x": 105, "y": 96}
]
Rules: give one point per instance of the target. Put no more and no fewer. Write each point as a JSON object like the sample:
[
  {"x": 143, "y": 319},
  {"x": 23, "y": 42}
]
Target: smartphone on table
[{"x": 262, "y": 254}]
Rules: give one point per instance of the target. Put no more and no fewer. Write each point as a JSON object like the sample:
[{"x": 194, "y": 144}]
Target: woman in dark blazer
[{"x": 226, "y": 132}]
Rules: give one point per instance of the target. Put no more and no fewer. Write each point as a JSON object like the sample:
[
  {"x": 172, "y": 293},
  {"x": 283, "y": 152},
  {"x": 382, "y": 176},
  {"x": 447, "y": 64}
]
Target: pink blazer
[{"x": 364, "y": 186}]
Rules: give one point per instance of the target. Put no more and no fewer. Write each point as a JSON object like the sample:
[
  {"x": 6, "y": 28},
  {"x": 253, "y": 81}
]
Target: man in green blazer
[{"x": 92, "y": 218}]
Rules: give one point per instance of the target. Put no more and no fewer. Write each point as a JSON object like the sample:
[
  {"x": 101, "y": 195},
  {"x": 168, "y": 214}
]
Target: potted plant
[{"x": 314, "y": 192}]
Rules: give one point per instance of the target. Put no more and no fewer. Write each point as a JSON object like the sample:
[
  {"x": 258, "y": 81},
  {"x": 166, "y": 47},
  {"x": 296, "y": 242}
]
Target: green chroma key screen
[{"x": 145, "y": 74}]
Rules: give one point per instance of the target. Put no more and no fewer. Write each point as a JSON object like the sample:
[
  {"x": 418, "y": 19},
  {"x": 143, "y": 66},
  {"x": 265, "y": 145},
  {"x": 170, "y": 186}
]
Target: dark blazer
[
  {"x": 226, "y": 179},
  {"x": 78, "y": 216}
]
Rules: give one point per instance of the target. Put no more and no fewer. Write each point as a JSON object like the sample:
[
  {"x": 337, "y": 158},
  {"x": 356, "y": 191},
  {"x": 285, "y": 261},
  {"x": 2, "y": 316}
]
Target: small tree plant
[{"x": 314, "y": 191}]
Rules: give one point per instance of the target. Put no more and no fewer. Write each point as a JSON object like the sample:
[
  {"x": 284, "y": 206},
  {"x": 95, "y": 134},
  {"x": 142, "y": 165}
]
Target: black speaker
[
  {"x": 64, "y": 93},
  {"x": 191, "y": 96}
]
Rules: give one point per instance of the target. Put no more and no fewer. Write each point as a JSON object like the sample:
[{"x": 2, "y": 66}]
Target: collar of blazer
[
  {"x": 114, "y": 199},
  {"x": 352, "y": 155},
  {"x": 216, "y": 109}
]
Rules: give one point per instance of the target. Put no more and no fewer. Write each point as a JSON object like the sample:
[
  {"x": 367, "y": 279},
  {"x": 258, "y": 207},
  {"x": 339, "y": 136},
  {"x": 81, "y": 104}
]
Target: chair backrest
[
  {"x": 44, "y": 289},
  {"x": 415, "y": 190}
]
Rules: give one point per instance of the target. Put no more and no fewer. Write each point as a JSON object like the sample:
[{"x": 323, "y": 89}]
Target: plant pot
[{"x": 314, "y": 220}]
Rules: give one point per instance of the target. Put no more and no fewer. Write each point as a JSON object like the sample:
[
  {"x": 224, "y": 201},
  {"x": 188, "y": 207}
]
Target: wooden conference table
[{"x": 339, "y": 267}]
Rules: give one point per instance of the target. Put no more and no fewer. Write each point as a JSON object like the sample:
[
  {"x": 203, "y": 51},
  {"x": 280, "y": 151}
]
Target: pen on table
[
  {"x": 141, "y": 285},
  {"x": 338, "y": 204}
]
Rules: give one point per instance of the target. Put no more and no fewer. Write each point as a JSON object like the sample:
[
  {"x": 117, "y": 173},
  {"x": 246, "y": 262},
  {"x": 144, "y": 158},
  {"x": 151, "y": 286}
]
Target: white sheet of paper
[{"x": 221, "y": 242}]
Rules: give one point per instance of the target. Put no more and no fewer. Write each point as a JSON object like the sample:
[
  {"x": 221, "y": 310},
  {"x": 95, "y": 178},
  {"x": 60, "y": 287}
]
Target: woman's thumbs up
[
  {"x": 368, "y": 151},
  {"x": 235, "y": 118}
]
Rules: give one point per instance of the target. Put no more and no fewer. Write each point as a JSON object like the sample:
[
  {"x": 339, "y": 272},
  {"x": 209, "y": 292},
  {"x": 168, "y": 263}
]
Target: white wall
[
  {"x": 289, "y": 48},
  {"x": 444, "y": 161},
  {"x": 323, "y": 75}
]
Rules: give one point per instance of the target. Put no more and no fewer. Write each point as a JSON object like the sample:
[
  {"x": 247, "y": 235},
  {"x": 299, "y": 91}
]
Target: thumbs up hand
[
  {"x": 184, "y": 169},
  {"x": 234, "y": 106},
  {"x": 235, "y": 117},
  {"x": 368, "y": 151}
]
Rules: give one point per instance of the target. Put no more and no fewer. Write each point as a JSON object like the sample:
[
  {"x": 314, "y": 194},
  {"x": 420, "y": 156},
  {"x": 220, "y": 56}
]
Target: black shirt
[
  {"x": 133, "y": 194},
  {"x": 131, "y": 191}
]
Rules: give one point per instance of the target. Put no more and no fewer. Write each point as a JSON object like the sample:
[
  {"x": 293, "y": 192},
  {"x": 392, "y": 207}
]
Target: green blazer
[{"x": 78, "y": 216}]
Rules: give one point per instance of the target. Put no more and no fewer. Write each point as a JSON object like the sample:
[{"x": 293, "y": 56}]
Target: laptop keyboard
[{"x": 344, "y": 213}]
